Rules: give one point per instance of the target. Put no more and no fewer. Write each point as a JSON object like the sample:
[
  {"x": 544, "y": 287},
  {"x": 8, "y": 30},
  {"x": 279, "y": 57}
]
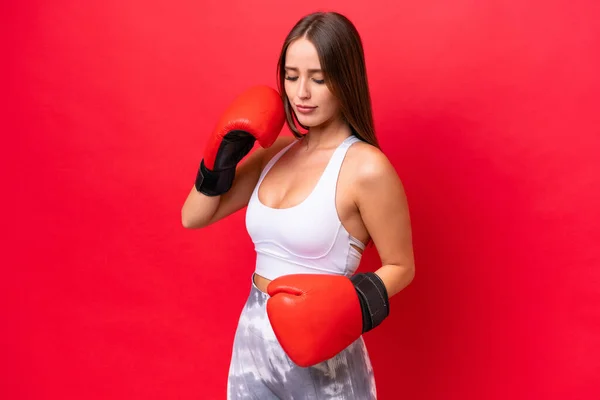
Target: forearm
[
  {"x": 395, "y": 277},
  {"x": 198, "y": 209}
]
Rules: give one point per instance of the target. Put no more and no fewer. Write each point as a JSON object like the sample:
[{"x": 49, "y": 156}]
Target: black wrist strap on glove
[
  {"x": 373, "y": 298},
  {"x": 234, "y": 146},
  {"x": 214, "y": 183}
]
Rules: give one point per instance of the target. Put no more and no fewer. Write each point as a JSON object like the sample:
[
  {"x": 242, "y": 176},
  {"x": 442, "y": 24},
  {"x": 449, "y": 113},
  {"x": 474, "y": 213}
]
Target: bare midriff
[{"x": 261, "y": 282}]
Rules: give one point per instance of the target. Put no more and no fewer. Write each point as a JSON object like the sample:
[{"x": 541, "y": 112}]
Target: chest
[
  {"x": 295, "y": 177},
  {"x": 313, "y": 198}
]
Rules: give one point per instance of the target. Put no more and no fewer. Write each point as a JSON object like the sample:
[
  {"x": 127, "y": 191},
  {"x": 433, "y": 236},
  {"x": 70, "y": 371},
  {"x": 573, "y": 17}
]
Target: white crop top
[{"x": 306, "y": 238}]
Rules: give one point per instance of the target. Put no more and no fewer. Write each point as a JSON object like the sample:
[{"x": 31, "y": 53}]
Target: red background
[{"x": 489, "y": 111}]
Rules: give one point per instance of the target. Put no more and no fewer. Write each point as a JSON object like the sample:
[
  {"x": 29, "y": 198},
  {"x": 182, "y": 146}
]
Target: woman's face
[{"x": 305, "y": 87}]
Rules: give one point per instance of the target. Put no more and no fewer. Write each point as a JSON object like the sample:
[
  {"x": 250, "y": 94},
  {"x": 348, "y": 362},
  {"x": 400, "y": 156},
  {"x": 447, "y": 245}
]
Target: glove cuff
[
  {"x": 214, "y": 183},
  {"x": 373, "y": 297}
]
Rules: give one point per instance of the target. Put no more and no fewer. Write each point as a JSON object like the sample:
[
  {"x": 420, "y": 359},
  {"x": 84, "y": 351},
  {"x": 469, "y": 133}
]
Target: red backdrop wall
[{"x": 488, "y": 110}]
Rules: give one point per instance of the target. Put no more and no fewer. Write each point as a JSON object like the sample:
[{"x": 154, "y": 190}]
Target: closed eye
[{"x": 295, "y": 78}]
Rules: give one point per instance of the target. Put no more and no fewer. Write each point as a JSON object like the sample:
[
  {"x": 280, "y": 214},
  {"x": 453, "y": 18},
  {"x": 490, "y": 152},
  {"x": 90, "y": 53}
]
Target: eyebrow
[{"x": 312, "y": 70}]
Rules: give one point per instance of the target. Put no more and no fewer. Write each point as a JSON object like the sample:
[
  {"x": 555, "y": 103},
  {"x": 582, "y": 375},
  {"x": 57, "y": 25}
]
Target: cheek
[
  {"x": 329, "y": 101},
  {"x": 289, "y": 92}
]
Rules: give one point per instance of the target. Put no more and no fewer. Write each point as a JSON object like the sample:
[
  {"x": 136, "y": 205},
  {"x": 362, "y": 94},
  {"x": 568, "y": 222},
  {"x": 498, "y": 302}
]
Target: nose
[{"x": 303, "y": 91}]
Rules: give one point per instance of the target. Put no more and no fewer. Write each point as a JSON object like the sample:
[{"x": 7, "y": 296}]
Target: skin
[{"x": 370, "y": 198}]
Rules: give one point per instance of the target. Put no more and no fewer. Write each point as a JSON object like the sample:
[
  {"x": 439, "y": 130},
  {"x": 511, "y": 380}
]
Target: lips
[{"x": 305, "y": 109}]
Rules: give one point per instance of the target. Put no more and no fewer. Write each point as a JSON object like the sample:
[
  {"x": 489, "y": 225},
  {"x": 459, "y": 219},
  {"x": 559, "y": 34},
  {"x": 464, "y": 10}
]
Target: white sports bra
[{"x": 306, "y": 238}]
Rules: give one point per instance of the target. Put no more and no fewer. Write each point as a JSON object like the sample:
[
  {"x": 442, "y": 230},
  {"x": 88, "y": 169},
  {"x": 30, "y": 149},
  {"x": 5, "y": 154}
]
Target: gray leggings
[{"x": 261, "y": 370}]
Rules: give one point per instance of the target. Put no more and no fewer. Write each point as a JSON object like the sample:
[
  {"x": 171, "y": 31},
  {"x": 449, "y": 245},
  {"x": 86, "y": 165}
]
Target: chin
[{"x": 309, "y": 122}]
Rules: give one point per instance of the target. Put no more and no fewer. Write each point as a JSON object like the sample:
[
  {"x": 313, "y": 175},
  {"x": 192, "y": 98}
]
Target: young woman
[{"x": 314, "y": 201}]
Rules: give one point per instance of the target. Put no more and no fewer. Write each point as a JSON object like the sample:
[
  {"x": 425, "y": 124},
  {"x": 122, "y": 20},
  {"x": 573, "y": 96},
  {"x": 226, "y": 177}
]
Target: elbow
[
  {"x": 411, "y": 275},
  {"x": 186, "y": 223},
  {"x": 406, "y": 276},
  {"x": 189, "y": 223},
  {"x": 409, "y": 272}
]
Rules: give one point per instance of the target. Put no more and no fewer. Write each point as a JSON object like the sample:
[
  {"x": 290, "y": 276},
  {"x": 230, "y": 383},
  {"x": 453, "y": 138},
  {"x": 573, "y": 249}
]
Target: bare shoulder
[{"x": 370, "y": 165}]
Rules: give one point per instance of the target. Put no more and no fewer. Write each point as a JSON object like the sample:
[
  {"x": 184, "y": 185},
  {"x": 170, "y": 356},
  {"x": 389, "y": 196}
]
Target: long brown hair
[{"x": 343, "y": 63}]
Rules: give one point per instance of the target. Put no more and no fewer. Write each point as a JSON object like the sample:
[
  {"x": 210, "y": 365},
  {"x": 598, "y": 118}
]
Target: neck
[{"x": 328, "y": 135}]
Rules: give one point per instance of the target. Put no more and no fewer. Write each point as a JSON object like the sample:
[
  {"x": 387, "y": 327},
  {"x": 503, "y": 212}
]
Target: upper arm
[
  {"x": 246, "y": 177},
  {"x": 383, "y": 206}
]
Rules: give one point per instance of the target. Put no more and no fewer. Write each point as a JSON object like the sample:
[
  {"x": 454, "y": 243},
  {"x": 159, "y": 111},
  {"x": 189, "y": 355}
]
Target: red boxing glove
[
  {"x": 256, "y": 114},
  {"x": 315, "y": 317}
]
